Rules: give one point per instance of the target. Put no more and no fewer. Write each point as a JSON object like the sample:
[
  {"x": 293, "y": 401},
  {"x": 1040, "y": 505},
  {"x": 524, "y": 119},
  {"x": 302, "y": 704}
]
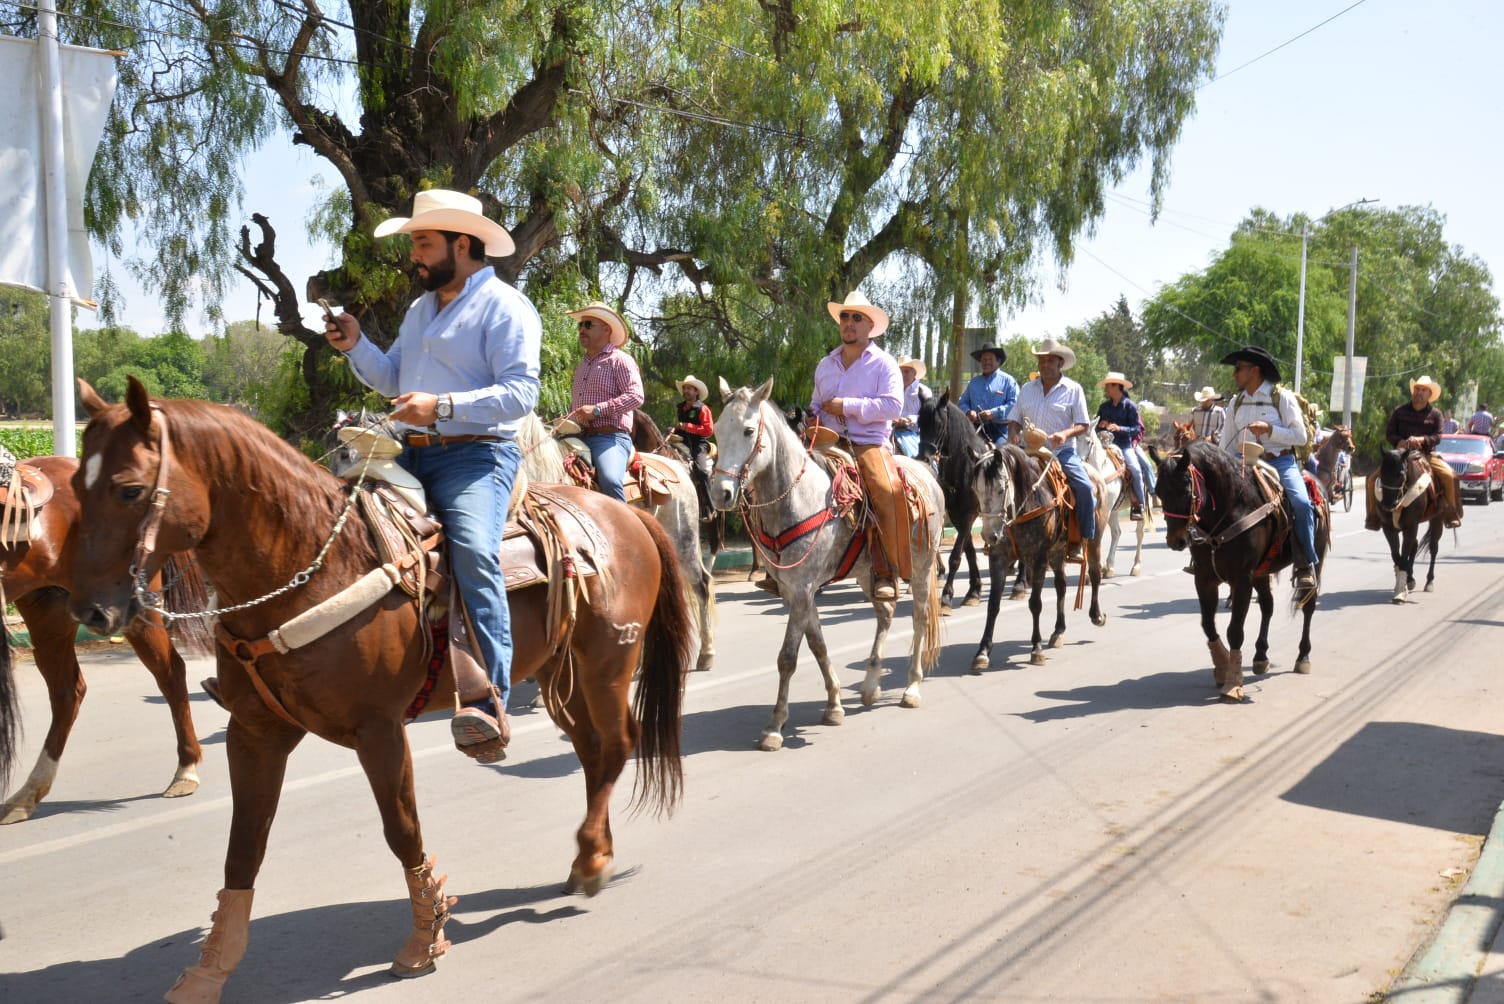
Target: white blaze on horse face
[{"x": 91, "y": 470}]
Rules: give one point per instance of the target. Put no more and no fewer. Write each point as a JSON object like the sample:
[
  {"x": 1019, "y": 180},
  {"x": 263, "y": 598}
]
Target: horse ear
[
  {"x": 944, "y": 398},
  {"x": 92, "y": 402},
  {"x": 139, "y": 402},
  {"x": 725, "y": 390},
  {"x": 761, "y": 394}
]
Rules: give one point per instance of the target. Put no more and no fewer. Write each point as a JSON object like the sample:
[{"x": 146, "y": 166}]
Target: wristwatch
[
  {"x": 597, "y": 412},
  {"x": 445, "y": 408}
]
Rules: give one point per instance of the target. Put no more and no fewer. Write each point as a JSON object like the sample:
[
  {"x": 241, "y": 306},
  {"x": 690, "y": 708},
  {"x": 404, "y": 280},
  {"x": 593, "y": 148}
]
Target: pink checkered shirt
[{"x": 611, "y": 380}]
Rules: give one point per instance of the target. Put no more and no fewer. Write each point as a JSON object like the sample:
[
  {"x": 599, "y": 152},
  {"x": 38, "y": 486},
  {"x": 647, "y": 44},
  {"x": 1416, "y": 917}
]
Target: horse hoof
[
  {"x": 770, "y": 742},
  {"x": 1303, "y": 667},
  {"x": 944, "y": 609},
  {"x": 1430, "y": 587},
  {"x": 1057, "y": 640},
  {"x": 980, "y": 663},
  {"x": 15, "y": 812},
  {"x": 705, "y": 662},
  {"x": 971, "y": 600},
  {"x": 1260, "y": 667},
  {"x": 1108, "y": 572},
  {"x": 590, "y": 885},
  {"x": 1036, "y": 659},
  {"x": 1233, "y": 696},
  {"x": 1099, "y": 620},
  {"x": 1138, "y": 570},
  {"x": 869, "y": 697},
  {"x": 910, "y": 699},
  {"x": 834, "y": 716},
  {"x": 1398, "y": 598},
  {"x": 182, "y": 784},
  {"x": 1018, "y": 594}
]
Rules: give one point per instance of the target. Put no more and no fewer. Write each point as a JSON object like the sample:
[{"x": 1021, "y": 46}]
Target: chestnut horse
[
  {"x": 37, "y": 576},
  {"x": 266, "y": 525}
]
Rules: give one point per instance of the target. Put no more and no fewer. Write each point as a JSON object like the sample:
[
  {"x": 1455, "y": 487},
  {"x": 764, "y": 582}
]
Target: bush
[{"x": 31, "y": 441}]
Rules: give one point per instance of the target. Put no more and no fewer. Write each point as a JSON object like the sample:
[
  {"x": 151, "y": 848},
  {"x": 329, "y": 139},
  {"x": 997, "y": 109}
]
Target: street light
[{"x": 1300, "y": 312}]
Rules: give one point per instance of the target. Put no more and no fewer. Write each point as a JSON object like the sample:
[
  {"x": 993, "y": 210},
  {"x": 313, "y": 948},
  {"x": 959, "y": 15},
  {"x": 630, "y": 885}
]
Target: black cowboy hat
[
  {"x": 1001, "y": 353},
  {"x": 1258, "y": 357}
]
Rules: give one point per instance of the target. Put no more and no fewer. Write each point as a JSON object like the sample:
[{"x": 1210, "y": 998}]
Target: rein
[{"x": 761, "y": 540}]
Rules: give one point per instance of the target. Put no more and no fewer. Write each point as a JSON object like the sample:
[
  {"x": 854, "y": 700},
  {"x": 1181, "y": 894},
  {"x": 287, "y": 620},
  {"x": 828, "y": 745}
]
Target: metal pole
[
  {"x": 1300, "y": 311},
  {"x": 59, "y": 284},
  {"x": 1352, "y": 323}
]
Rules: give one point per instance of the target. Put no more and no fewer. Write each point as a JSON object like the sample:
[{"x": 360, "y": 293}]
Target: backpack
[{"x": 1308, "y": 411}]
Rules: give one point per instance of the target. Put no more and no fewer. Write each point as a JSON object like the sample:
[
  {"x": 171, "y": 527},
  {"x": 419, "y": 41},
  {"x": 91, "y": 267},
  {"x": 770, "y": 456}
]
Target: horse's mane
[
  {"x": 1223, "y": 471},
  {"x": 541, "y": 457},
  {"x": 951, "y": 428},
  {"x": 646, "y": 435},
  {"x": 1010, "y": 462}
]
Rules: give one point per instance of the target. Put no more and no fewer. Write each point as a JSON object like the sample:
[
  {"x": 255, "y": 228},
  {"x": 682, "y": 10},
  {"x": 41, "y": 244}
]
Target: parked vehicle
[{"x": 1479, "y": 467}]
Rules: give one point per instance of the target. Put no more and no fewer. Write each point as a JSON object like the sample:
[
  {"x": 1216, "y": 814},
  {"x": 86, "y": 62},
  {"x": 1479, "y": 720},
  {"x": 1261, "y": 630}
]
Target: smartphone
[{"x": 328, "y": 310}]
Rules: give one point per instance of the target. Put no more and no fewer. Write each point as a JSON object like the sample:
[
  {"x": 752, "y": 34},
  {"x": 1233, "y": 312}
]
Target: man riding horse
[
  {"x": 1266, "y": 413},
  {"x": 859, "y": 392},
  {"x": 1416, "y": 425},
  {"x": 605, "y": 391},
  {"x": 990, "y": 396},
  {"x": 1057, "y": 405}
]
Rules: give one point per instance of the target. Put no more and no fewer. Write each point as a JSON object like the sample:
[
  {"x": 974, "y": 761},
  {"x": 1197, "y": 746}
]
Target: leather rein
[{"x": 1201, "y": 498}]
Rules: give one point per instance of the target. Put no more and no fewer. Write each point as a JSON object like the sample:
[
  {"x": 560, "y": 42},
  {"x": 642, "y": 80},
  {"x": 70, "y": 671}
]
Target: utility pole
[
  {"x": 1352, "y": 323},
  {"x": 1300, "y": 310},
  {"x": 959, "y": 308},
  {"x": 60, "y": 290}
]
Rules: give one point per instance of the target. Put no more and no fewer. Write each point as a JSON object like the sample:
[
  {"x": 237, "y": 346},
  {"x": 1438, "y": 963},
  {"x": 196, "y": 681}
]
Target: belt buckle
[{"x": 421, "y": 439}]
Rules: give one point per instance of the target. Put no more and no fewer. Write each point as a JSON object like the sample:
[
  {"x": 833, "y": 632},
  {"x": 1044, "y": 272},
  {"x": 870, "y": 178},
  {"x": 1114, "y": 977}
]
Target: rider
[
  {"x": 990, "y": 396},
  {"x": 606, "y": 389},
  {"x": 1416, "y": 425},
  {"x": 1269, "y": 414},
  {"x": 1057, "y": 405},
  {"x": 1119, "y": 416},
  {"x": 1210, "y": 417},
  {"x": 695, "y": 427},
  {"x": 915, "y": 393},
  {"x": 859, "y": 391},
  {"x": 462, "y": 373}
]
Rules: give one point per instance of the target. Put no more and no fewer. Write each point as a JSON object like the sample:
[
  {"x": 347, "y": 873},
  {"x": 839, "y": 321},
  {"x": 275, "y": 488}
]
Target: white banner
[
  {"x": 1339, "y": 382},
  {"x": 88, "y": 88}
]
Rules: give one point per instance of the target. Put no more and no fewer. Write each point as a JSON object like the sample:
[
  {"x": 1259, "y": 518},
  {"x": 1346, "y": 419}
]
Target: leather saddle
[
  {"x": 23, "y": 491},
  {"x": 649, "y": 480}
]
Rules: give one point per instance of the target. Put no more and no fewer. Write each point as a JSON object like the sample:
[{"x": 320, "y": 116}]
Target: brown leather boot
[
  {"x": 883, "y": 585},
  {"x": 223, "y": 949},
  {"x": 430, "y": 911}
]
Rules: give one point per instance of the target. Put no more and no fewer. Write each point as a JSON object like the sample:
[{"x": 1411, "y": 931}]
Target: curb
[
  {"x": 1445, "y": 970},
  {"x": 19, "y": 637}
]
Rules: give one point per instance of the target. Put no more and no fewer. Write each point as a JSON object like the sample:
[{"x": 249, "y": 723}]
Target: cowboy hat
[
  {"x": 914, "y": 364},
  {"x": 441, "y": 209},
  {"x": 1206, "y": 394},
  {"x": 614, "y": 322},
  {"x": 1113, "y": 376},
  {"x": 856, "y": 301},
  {"x": 1258, "y": 357},
  {"x": 1051, "y": 347},
  {"x": 1001, "y": 353},
  {"x": 1430, "y": 384},
  {"x": 696, "y": 383}
]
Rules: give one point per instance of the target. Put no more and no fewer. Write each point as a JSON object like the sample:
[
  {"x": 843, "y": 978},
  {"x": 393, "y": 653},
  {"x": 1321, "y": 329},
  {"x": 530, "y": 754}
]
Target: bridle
[{"x": 1201, "y": 499}]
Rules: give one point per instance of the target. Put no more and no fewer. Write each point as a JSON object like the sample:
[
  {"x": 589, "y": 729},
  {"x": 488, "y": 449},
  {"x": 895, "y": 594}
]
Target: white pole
[
  {"x": 1300, "y": 311},
  {"x": 59, "y": 287},
  {"x": 1352, "y": 324}
]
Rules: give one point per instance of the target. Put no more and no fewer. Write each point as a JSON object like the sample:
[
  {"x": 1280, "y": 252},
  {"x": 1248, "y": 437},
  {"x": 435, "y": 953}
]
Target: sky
[{"x": 1390, "y": 100}]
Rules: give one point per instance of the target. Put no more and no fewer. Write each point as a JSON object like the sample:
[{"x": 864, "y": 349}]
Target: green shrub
[{"x": 30, "y": 441}]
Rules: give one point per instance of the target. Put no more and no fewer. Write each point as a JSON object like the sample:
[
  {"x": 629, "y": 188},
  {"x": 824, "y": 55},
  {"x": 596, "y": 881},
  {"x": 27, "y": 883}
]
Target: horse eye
[
  {"x": 130, "y": 493},
  {"x": 749, "y": 431}
]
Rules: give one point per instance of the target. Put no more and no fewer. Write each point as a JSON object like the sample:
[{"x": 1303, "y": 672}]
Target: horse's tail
[
  {"x": 10, "y": 706},
  {"x": 929, "y": 643},
  {"x": 184, "y": 590},
  {"x": 658, "y": 704}
]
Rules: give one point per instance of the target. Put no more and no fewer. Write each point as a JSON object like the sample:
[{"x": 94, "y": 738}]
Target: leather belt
[
  {"x": 420, "y": 439},
  {"x": 1281, "y": 453}
]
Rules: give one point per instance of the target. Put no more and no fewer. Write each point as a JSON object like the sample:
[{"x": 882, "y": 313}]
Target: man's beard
[{"x": 438, "y": 276}]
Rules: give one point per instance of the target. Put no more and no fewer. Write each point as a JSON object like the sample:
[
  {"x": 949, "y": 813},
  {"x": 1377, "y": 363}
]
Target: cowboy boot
[
  {"x": 883, "y": 586},
  {"x": 223, "y": 949},
  {"x": 430, "y": 910}
]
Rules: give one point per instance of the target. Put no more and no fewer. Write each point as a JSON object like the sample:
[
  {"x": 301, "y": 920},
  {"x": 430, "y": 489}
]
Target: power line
[{"x": 1255, "y": 59}]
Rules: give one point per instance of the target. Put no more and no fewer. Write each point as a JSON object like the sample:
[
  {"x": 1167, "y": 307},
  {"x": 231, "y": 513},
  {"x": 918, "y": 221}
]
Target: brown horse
[
  {"x": 1185, "y": 432},
  {"x": 1332, "y": 470},
  {"x": 37, "y": 576},
  {"x": 265, "y": 523}
]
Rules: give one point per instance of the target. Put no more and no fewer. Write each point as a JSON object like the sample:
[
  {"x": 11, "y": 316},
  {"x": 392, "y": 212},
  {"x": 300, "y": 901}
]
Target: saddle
[
  {"x": 1273, "y": 492},
  {"x": 23, "y": 491},
  {"x": 648, "y": 482}
]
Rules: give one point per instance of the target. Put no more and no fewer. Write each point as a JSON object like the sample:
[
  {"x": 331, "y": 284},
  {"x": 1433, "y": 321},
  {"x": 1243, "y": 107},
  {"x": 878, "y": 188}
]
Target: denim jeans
[
  {"x": 610, "y": 452},
  {"x": 1147, "y": 466},
  {"x": 1086, "y": 499},
  {"x": 469, "y": 487},
  {"x": 907, "y": 441},
  {"x": 1135, "y": 474},
  {"x": 1300, "y": 506}
]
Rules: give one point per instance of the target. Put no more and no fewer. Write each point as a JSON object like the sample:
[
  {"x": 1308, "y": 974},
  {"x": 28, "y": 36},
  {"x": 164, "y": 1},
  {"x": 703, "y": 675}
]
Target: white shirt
[
  {"x": 1060, "y": 409},
  {"x": 1287, "y": 428}
]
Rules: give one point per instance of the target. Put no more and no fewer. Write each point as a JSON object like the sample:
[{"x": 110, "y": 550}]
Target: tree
[
  {"x": 1119, "y": 338},
  {"x": 25, "y": 387}
]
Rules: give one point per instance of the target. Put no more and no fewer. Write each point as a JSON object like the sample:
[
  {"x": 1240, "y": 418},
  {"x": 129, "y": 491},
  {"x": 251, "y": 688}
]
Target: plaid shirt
[
  {"x": 1208, "y": 422},
  {"x": 611, "y": 380}
]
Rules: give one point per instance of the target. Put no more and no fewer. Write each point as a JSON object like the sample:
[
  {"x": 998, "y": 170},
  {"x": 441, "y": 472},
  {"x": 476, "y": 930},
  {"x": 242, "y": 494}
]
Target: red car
[{"x": 1480, "y": 470}]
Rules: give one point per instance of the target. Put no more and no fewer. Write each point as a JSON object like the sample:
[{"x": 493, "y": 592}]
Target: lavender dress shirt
[{"x": 872, "y": 389}]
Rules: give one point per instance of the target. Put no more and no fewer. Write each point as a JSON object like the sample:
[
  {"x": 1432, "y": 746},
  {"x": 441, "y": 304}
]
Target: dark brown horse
[
  {"x": 265, "y": 523},
  {"x": 1405, "y": 505},
  {"x": 38, "y": 578}
]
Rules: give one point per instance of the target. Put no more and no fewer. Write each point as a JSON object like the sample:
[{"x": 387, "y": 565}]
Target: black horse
[
  {"x": 949, "y": 442},
  {"x": 1212, "y": 504},
  {"x": 1402, "y": 509}
]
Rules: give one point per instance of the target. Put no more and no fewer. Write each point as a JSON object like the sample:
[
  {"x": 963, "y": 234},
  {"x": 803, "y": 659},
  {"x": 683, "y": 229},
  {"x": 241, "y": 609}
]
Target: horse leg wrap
[
  {"x": 223, "y": 949},
  {"x": 430, "y": 911},
  {"x": 1232, "y": 679},
  {"x": 1219, "y": 660}
]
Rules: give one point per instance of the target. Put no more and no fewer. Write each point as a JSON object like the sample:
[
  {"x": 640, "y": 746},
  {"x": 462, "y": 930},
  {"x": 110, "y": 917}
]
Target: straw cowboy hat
[
  {"x": 1206, "y": 394},
  {"x": 1428, "y": 383},
  {"x": 914, "y": 364},
  {"x": 1113, "y": 376},
  {"x": 383, "y": 450},
  {"x": 856, "y": 301},
  {"x": 441, "y": 209},
  {"x": 696, "y": 383},
  {"x": 1051, "y": 347},
  {"x": 1253, "y": 354},
  {"x": 998, "y": 351},
  {"x": 614, "y": 322}
]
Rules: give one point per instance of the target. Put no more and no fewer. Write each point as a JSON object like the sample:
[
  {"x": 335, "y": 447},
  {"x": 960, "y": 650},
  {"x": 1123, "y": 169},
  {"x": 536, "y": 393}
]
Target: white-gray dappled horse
[
  {"x": 785, "y": 496},
  {"x": 1115, "y": 513}
]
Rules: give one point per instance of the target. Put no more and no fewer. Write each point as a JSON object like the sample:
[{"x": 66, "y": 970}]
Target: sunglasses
[
  {"x": 1244, "y": 366},
  {"x": 851, "y": 315},
  {"x": 587, "y": 323}
]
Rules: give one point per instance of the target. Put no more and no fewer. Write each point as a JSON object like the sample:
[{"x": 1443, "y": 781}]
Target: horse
[
  {"x": 948, "y": 440},
  {"x": 648, "y": 438},
  {"x": 37, "y": 577},
  {"x": 785, "y": 498},
  {"x": 1122, "y": 504},
  {"x": 1185, "y": 432},
  {"x": 1023, "y": 519},
  {"x": 543, "y": 461},
  {"x": 269, "y": 530},
  {"x": 1332, "y": 470},
  {"x": 1212, "y": 505},
  {"x": 1404, "y": 504}
]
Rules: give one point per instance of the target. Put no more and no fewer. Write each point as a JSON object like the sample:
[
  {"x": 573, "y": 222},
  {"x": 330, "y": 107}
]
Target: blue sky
[{"x": 1393, "y": 100}]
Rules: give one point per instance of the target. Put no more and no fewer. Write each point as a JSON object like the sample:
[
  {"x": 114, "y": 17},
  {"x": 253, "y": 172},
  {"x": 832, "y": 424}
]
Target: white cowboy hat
[
  {"x": 1113, "y": 376},
  {"x": 1206, "y": 394},
  {"x": 1050, "y": 347},
  {"x": 441, "y": 209},
  {"x": 914, "y": 364},
  {"x": 381, "y": 449},
  {"x": 1429, "y": 384},
  {"x": 856, "y": 301},
  {"x": 614, "y": 322},
  {"x": 696, "y": 383}
]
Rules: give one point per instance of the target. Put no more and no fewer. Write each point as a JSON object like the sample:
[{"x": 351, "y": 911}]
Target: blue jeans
[
  {"x": 610, "y": 452},
  {"x": 1135, "y": 475},
  {"x": 907, "y": 441},
  {"x": 469, "y": 487},
  {"x": 1146, "y": 465},
  {"x": 1300, "y": 506},
  {"x": 1086, "y": 499}
]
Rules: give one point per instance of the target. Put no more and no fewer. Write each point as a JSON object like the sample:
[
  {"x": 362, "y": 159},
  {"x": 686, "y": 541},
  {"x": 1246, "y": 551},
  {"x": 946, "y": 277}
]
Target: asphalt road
[{"x": 1097, "y": 829}]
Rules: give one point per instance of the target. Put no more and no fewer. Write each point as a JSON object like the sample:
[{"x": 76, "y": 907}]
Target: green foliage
[
  {"x": 31, "y": 441},
  {"x": 25, "y": 353}
]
